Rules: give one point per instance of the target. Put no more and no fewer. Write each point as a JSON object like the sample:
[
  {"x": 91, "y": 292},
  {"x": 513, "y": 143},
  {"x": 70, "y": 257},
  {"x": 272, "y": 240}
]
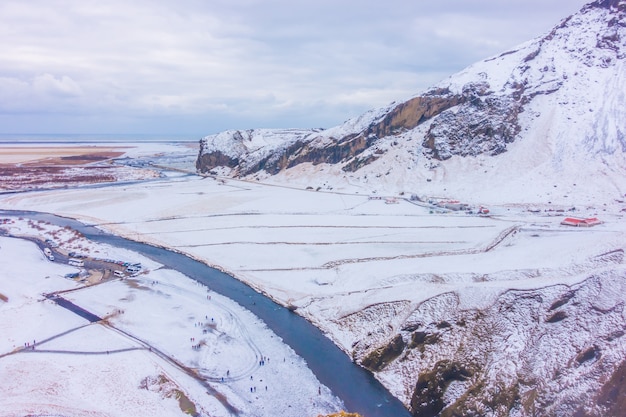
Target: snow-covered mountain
[
  {"x": 541, "y": 125},
  {"x": 548, "y": 114}
]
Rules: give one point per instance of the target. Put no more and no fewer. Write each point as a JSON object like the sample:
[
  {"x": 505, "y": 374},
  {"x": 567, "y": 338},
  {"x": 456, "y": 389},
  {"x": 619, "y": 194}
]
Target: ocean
[{"x": 94, "y": 138}]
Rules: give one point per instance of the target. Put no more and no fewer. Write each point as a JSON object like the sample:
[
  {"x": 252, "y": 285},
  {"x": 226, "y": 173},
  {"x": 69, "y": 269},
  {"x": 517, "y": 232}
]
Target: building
[{"x": 588, "y": 222}]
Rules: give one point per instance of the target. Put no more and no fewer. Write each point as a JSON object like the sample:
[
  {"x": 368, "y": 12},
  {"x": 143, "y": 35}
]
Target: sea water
[{"x": 95, "y": 138}]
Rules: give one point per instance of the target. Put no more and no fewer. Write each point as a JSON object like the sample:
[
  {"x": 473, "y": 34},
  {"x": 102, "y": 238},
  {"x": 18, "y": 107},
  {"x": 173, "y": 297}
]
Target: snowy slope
[{"x": 553, "y": 109}]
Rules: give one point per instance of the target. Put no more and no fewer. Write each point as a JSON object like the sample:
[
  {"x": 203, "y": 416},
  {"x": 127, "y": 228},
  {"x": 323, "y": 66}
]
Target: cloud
[
  {"x": 43, "y": 93},
  {"x": 228, "y": 63},
  {"x": 62, "y": 87}
]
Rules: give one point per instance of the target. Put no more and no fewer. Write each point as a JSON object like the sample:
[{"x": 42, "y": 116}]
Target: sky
[{"x": 196, "y": 67}]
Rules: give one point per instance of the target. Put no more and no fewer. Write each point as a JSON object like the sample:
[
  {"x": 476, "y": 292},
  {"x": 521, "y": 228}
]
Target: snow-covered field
[
  {"x": 332, "y": 255},
  {"x": 140, "y": 360}
]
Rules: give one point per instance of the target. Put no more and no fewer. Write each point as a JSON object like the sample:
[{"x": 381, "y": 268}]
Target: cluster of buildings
[{"x": 456, "y": 205}]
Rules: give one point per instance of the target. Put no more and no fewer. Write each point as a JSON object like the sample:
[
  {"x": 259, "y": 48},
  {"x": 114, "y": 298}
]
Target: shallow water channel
[{"x": 355, "y": 386}]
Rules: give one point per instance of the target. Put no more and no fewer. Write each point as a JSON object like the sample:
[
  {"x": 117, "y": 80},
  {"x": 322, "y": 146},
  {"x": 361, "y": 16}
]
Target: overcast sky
[{"x": 201, "y": 66}]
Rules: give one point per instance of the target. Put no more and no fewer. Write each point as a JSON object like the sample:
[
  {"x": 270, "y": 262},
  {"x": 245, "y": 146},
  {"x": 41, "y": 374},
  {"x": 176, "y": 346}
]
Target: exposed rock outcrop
[
  {"x": 484, "y": 123},
  {"x": 476, "y": 112},
  {"x": 409, "y": 114},
  {"x": 228, "y": 149},
  {"x": 527, "y": 354}
]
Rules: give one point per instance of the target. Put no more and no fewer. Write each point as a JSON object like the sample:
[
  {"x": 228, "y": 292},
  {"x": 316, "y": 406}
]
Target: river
[{"x": 355, "y": 386}]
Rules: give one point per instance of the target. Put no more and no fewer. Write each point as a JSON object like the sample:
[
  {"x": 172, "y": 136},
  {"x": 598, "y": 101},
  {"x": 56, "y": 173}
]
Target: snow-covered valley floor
[
  {"x": 366, "y": 272},
  {"x": 160, "y": 331}
]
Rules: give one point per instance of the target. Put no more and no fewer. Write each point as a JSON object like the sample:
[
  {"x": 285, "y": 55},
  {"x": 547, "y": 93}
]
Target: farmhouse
[
  {"x": 454, "y": 205},
  {"x": 588, "y": 222}
]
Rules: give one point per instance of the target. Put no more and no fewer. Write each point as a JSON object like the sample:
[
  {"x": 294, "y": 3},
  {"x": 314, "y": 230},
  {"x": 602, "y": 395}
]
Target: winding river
[{"x": 355, "y": 386}]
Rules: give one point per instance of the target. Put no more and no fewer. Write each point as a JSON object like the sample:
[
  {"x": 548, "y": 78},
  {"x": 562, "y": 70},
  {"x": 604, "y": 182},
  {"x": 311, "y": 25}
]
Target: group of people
[
  {"x": 204, "y": 331},
  {"x": 195, "y": 346}
]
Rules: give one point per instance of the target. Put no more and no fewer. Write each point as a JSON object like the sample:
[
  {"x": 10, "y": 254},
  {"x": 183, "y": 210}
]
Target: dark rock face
[
  {"x": 609, "y": 4},
  {"x": 427, "y": 398},
  {"x": 482, "y": 123},
  {"x": 401, "y": 118},
  {"x": 336, "y": 152},
  {"x": 474, "y": 122},
  {"x": 207, "y": 161},
  {"x": 317, "y": 149},
  {"x": 274, "y": 162},
  {"x": 612, "y": 395},
  {"x": 413, "y": 112},
  {"x": 379, "y": 358},
  {"x": 544, "y": 352}
]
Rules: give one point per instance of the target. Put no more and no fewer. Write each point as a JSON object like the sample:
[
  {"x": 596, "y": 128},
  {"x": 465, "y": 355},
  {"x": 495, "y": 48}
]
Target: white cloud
[
  {"x": 48, "y": 85},
  {"x": 218, "y": 64},
  {"x": 43, "y": 93}
]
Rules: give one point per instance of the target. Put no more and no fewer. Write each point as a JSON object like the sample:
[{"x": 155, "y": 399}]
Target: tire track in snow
[{"x": 231, "y": 325}]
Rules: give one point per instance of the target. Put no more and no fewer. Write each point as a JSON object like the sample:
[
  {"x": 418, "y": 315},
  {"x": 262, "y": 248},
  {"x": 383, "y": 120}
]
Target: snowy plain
[
  {"x": 525, "y": 305},
  {"x": 332, "y": 254},
  {"x": 140, "y": 360}
]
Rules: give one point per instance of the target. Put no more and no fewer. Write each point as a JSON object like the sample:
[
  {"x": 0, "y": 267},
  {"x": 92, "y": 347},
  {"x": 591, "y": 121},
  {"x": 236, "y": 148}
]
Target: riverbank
[
  {"x": 160, "y": 329},
  {"x": 399, "y": 287}
]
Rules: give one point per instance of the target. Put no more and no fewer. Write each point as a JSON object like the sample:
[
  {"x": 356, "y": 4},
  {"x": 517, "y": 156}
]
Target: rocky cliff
[{"x": 565, "y": 86}]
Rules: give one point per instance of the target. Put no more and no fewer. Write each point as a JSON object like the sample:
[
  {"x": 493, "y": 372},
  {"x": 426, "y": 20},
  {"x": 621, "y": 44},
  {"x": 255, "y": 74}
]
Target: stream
[{"x": 359, "y": 390}]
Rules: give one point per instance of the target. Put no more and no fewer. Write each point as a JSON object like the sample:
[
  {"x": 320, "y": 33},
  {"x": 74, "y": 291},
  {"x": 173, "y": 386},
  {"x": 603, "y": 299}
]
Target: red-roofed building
[{"x": 573, "y": 221}]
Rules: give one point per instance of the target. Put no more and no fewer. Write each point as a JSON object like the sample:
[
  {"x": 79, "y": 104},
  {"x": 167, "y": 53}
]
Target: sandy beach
[
  {"x": 38, "y": 166},
  {"x": 57, "y": 155}
]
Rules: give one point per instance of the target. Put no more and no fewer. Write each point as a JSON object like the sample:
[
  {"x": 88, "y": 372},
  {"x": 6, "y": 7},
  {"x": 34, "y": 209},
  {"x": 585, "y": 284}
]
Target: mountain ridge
[{"x": 563, "y": 91}]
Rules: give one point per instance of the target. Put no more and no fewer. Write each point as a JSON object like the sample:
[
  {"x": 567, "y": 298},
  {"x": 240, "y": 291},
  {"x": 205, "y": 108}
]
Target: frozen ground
[
  {"x": 56, "y": 363},
  {"x": 331, "y": 255}
]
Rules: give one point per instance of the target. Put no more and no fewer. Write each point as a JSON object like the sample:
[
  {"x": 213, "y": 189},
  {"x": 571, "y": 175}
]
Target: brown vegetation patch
[
  {"x": 42, "y": 155},
  {"x": 427, "y": 399},
  {"x": 32, "y": 168},
  {"x": 185, "y": 404},
  {"x": 612, "y": 395},
  {"x": 133, "y": 283},
  {"x": 590, "y": 354},
  {"x": 78, "y": 159},
  {"x": 13, "y": 178},
  {"x": 169, "y": 389},
  {"x": 420, "y": 339},
  {"x": 556, "y": 317},
  {"x": 381, "y": 357}
]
